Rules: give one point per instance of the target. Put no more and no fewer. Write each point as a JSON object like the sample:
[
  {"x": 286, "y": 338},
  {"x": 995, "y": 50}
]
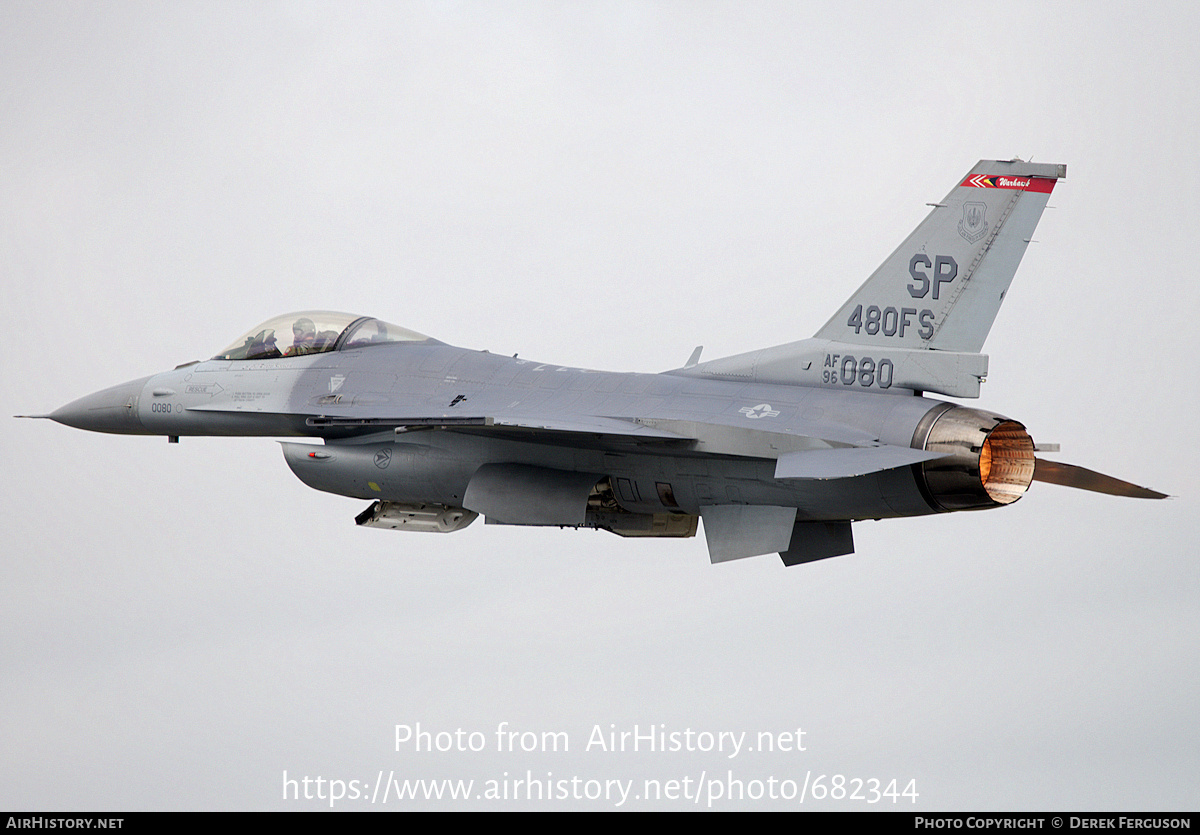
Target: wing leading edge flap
[
  {"x": 580, "y": 425},
  {"x": 846, "y": 462}
]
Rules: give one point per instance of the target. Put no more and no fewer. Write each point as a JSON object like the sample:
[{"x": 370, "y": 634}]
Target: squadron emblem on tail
[{"x": 973, "y": 226}]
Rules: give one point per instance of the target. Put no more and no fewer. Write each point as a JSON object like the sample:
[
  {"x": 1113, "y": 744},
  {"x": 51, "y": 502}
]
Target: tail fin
[{"x": 943, "y": 286}]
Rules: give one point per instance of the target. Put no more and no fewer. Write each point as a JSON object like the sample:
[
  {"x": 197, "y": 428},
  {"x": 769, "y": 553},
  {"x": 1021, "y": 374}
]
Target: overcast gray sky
[{"x": 605, "y": 185}]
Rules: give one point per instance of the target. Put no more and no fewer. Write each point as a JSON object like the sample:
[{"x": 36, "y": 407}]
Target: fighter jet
[{"x": 777, "y": 450}]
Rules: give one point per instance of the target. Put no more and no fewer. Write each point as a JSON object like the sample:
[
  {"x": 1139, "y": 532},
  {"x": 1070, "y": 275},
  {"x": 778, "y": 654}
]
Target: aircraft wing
[{"x": 799, "y": 456}]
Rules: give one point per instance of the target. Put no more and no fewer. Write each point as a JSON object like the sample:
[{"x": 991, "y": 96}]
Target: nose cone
[{"x": 111, "y": 410}]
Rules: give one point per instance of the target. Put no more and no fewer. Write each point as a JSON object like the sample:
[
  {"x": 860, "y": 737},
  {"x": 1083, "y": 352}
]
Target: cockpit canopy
[{"x": 314, "y": 332}]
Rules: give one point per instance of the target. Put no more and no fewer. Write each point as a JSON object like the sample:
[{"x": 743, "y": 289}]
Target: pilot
[{"x": 304, "y": 337}]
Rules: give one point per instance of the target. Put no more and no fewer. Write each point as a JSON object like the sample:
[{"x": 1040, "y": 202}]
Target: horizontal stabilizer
[
  {"x": 845, "y": 462},
  {"x": 1069, "y": 475}
]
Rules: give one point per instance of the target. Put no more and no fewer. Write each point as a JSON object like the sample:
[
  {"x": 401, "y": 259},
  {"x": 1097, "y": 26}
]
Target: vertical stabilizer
[{"x": 943, "y": 286}]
